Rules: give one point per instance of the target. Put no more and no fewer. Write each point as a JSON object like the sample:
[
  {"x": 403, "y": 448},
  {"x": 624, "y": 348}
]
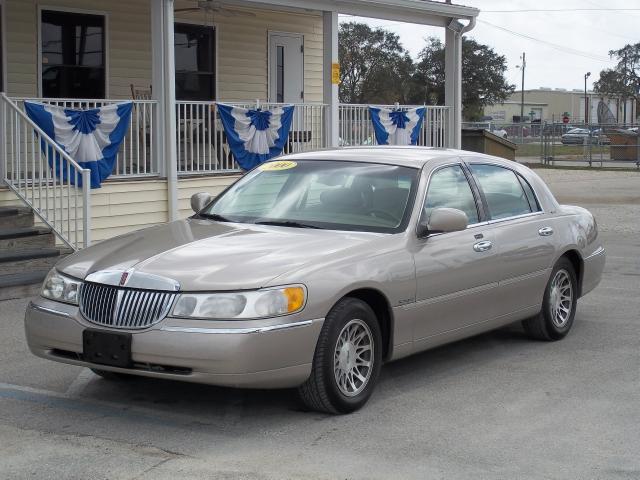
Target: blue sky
[{"x": 581, "y": 39}]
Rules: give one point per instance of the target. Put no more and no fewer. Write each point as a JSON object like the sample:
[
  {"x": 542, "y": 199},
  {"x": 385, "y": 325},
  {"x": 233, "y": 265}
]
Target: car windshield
[{"x": 334, "y": 195}]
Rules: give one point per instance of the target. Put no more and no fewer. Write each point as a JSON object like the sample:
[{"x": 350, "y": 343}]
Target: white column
[
  {"x": 330, "y": 89},
  {"x": 453, "y": 86},
  {"x": 164, "y": 91}
]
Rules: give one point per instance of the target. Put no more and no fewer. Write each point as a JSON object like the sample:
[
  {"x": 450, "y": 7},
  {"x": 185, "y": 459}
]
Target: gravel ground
[
  {"x": 496, "y": 406},
  {"x": 613, "y": 197}
]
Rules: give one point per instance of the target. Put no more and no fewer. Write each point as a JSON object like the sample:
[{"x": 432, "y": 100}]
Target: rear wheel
[
  {"x": 558, "y": 306},
  {"x": 347, "y": 359}
]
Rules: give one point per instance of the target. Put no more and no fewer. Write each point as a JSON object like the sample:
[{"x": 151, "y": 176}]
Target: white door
[{"x": 286, "y": 64}]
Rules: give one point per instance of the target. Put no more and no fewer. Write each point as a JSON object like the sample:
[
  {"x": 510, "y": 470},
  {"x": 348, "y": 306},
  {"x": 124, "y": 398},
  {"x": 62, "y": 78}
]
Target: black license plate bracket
[{"x": 106, "y": 348}]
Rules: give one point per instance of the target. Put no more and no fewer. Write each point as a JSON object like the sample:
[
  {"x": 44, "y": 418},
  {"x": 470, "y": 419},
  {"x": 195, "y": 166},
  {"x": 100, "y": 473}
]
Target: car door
[
  {"x": 522, "y": 231},
  {"x": 456, "y": 278}
]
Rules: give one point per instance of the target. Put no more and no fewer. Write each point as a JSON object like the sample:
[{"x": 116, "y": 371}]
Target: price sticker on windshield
[{"x": 275, "y": 166}]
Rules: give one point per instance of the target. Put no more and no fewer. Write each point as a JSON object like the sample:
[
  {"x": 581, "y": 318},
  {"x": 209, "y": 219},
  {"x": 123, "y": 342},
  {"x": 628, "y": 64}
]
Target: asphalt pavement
[{"x": 494, "y": 406}]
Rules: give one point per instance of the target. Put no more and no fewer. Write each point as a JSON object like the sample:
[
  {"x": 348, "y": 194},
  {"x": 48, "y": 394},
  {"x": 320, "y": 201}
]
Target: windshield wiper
[
  {"x": 285, "y": 223},
  {"x": 213, "y": 216}
]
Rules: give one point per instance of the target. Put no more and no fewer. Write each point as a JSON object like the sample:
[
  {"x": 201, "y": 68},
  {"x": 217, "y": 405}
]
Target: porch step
[
  {"x": 14, "y": 217},
  {"x": 26, "y": 237},
  {"x": 27, "y": 253}
]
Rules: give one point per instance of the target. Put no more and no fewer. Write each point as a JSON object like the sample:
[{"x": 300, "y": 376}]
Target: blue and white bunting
[
  {"x": 91, "y": 137},
  {"x": 397, "y": 127},
  {"x": 255, "y": 136}
]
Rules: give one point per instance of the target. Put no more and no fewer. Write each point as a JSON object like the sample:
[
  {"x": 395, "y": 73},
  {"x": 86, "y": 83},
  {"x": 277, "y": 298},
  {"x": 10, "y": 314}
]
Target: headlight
[
  {"x": 60, "y": 288},
  {"x": 269, "y": 302}
]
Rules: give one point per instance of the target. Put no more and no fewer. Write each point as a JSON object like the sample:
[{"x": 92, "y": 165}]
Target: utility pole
[
  {"x": 524, "y": 65},
  {"x": 586, "y": 99}
]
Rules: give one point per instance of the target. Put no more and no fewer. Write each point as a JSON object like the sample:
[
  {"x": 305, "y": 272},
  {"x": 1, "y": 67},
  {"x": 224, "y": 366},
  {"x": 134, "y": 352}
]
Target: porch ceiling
[{"x": 425, "y": 12}]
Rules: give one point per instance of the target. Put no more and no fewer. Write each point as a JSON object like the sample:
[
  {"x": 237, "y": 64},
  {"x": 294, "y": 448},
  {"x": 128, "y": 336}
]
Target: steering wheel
[{"x": 383, "y": 215}]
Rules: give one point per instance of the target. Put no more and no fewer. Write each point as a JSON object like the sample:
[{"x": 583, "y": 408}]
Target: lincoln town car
[{"x": 313, "y": 270}]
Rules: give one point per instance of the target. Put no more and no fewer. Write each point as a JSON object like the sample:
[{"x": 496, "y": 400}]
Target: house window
[
  {"x": 195, "y": 62},
  {"x": 73, "y": 55}
]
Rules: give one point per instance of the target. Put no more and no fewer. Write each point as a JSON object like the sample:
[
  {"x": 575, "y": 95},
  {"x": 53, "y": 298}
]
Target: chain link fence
[{"x": 558, "y": 143}]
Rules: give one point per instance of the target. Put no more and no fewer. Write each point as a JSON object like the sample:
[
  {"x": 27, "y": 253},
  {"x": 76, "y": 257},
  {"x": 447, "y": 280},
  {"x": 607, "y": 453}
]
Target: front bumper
[{"x": 257, "y": 354}]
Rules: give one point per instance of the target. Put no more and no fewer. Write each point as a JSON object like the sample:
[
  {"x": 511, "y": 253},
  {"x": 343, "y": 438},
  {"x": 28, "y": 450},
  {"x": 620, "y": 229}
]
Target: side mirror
[
  {"x": 199, "y": 201},
  {"x": 443, "y": 220}
]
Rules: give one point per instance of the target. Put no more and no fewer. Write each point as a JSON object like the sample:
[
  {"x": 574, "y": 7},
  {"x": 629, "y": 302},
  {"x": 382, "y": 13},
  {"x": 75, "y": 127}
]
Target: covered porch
[{"x": 175, "y": 144}]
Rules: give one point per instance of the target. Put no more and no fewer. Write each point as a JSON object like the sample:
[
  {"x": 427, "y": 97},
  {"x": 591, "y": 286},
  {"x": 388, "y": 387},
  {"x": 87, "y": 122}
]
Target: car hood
[{"x": 206, "y": 255}]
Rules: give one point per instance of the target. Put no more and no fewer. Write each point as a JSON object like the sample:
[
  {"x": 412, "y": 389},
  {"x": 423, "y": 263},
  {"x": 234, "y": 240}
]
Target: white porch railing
[
  {"x": 202, "y": 143},
  {"x": 356, "y": 128},
  {"x": 135, "y": 156},
  {"x": 26, "y": 154}
]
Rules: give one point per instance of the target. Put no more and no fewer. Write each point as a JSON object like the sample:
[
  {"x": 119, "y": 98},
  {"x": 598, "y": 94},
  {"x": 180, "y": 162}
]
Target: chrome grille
[{"x": 123, "y": 307}]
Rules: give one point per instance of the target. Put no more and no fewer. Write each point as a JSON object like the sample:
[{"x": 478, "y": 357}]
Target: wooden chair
[{"x": 141, "y": 93}]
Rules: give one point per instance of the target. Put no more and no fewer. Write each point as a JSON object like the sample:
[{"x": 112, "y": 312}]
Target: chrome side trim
[
  {"x": 599, "y": 251},
  {"x": 238, "y": 331},
  {"x": 33, "y": 306},
  {"x": 526, "y": 276},
  {"x": 449, "y": 296}
]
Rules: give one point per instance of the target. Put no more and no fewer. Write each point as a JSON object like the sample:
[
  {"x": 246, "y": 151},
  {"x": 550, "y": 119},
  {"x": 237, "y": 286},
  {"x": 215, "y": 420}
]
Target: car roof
[{"x": 405, "y": 156}]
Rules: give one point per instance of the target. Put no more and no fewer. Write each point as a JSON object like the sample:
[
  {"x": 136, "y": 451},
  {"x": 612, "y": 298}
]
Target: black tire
[
  {"x": 543, "y": 326},
  {"x": 321, "y": 391},
  {"x": 111, "y": 376}
]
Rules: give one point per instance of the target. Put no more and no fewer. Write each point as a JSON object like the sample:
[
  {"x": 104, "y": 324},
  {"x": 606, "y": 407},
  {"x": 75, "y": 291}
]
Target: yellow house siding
[
  {"x": 124, "y": 206},
  {"x": 242, "y": 47}
]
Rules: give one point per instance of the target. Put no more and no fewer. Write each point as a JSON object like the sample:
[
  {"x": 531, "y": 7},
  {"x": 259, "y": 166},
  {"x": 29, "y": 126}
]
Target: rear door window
[{"x": 502, "y": 190}]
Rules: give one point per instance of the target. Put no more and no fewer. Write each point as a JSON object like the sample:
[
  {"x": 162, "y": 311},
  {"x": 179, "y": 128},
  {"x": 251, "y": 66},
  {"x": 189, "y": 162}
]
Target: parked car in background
[
  {"x": 314, "y": 269},
  {"x": 580, "y": 136}
]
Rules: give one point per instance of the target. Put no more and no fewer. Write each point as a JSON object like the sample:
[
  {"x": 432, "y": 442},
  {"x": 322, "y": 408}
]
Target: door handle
[
  {"x": 482, "y": 246},
  {"x": 545, "y": 231}
]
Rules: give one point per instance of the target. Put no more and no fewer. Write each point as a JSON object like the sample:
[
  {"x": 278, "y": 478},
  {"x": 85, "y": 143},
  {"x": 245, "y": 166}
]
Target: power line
[{"x": 561, "y": 48}]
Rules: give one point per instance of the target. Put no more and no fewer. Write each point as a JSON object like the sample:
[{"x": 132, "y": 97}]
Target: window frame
[
  {"x": 216, "y": 43},
  {"x": 478, "y": 200},
  {"x": 519, "y": 178},
  {"x": 3, "y": 47},
  {"x": 79, "y": 11}
]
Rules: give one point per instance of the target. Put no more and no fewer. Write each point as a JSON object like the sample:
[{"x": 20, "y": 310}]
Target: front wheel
[
  {"x": 347, "y": 359},
  {"x": 558, "y": 306}
]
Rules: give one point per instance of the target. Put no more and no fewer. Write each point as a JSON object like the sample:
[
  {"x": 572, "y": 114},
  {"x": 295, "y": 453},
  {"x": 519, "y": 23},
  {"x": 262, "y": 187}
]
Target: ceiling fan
[{"x": 209, "y": 6}]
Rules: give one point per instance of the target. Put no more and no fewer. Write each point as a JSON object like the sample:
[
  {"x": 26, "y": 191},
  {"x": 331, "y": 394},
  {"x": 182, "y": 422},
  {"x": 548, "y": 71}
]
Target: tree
[
  {"x": 483, "y": 80},
  {"x": 374, "y": 67},
  {"x": 624, "y": 79}
]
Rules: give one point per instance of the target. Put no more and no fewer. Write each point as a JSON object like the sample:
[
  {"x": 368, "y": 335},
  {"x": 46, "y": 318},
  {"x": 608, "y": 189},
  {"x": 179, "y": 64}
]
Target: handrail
[
  {"x": 42, "y": 133},
  {"x": 27, "y": 172}
]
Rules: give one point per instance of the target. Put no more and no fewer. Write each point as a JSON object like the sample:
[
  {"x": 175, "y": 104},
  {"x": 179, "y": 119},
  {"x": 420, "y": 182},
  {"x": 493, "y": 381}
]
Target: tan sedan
[{"x": 312, "y": 270}]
